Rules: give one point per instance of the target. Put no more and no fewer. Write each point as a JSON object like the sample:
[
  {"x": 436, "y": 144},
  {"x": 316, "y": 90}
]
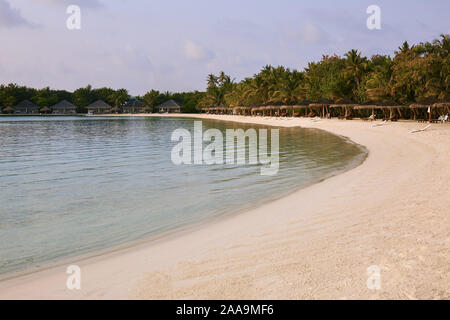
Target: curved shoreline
[
  {"x": 180, "y": 230},
  {"x": 314, "y": 243}
]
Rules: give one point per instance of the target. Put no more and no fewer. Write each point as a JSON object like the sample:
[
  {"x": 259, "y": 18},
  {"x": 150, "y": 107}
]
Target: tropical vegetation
[{"x": 415, "y": 74}]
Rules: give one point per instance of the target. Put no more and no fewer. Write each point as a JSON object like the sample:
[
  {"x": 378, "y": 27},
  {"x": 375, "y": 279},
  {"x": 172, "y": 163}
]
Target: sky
[{"x": 174, "y": 44}]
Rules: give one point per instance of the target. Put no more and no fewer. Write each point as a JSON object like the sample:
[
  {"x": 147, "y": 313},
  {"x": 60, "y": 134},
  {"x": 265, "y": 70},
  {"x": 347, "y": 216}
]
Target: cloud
[
  {"x": 310, "y": 34},
  {"x": 196, "y": 52},
  {"x": 11, "y": 17}
]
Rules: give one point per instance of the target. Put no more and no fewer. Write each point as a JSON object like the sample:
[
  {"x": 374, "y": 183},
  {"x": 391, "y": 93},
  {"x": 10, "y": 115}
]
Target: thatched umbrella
[
  {"x": 255, "y": 110},
  {"x": 286, "y": 109},
  {"x": 45, "y": 110},
  {"x": 147, "y": 109},
  {"x": 115, "y": 110},
  {"x": 8, "y": 110},
  {"x": 416, "y": 106},
  {"x": 346, "y": 107},
  {"x": 267, "y": 110},
  {"x": 246, "y": 110},
  {"x": 295, "y": 114},
  {"x": 319, "y": 108},
  {"x": 391, "y": 110},
  {"x": 368, "y": 107},
  {"x": 445, "y": 106}
]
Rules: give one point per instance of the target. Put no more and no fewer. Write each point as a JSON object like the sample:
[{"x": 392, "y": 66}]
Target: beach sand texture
[{"x": 393, "y": 211}]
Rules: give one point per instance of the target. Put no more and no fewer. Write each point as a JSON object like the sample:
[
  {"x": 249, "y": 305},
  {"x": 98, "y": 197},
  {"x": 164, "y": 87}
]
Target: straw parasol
[
  {"x": 8, "y": 110},
  {"x": 115, "y": 110},
  {"x": 444, "y": 105},
  {"x": 415, "y": 106},
  {"x": 45, "y": 110}
]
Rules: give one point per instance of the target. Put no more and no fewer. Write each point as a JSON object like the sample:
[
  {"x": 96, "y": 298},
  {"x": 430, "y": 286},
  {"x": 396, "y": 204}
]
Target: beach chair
[
  {"x": 420, "y": 130},
  {"x": 370, "y": 118},
  {"x": 443, "y": 119},
  {"x": 382, "y": 123}
]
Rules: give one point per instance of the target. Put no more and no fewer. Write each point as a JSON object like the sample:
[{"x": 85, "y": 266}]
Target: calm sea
[{"x": 74, "y": 185}]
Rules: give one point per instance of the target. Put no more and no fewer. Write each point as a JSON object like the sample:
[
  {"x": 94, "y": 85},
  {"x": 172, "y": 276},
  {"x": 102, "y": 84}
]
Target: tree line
[
  {"x": 12, "y": 94},
  {"x": 415, "y": 74}
]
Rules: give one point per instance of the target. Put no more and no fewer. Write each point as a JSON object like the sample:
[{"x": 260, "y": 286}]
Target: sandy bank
[{"x": 393, "y": 211}]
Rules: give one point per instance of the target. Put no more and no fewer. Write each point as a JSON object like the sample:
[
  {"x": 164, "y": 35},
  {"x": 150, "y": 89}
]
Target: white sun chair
[
  {"x": 443, "y": 118},
  {"x": 420, "y": 130},
  {"x": 382, "y": 123}
]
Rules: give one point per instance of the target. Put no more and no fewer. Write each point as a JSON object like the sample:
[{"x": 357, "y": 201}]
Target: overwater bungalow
[
  {"x": 26, "y": 107},
  {"x": 136, "y": 106},
  {"x": 64, "y": 107},
  {"x": 170, "y": 106},
  {"x": 99, "y": 107}
]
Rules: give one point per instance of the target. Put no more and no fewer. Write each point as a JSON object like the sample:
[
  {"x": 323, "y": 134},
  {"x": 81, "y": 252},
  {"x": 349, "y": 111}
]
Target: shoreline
[
  {"x": 178, "y": 231},
  {"x": 184, "y": 266}
]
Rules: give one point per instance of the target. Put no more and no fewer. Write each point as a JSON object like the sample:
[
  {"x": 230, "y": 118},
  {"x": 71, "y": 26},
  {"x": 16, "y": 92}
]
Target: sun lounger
[
  {"x": 443, "y": 118},
  {"x": 370, "y": 118},
  {"x": 382, "y": 123},
  {"x": 420, "y": 130}
]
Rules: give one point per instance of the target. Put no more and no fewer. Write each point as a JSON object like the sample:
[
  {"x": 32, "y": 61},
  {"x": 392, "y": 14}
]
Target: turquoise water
[{"x": 73, "y": 185}]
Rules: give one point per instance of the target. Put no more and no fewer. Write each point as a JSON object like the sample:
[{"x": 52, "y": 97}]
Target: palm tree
[
  {"x": 404, "y": 48},
  {"x": 356, "y": 67}
]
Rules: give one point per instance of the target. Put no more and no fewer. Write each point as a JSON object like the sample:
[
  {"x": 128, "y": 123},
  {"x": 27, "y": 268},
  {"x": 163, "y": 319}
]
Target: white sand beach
[{"x": 393, "y": 211}]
